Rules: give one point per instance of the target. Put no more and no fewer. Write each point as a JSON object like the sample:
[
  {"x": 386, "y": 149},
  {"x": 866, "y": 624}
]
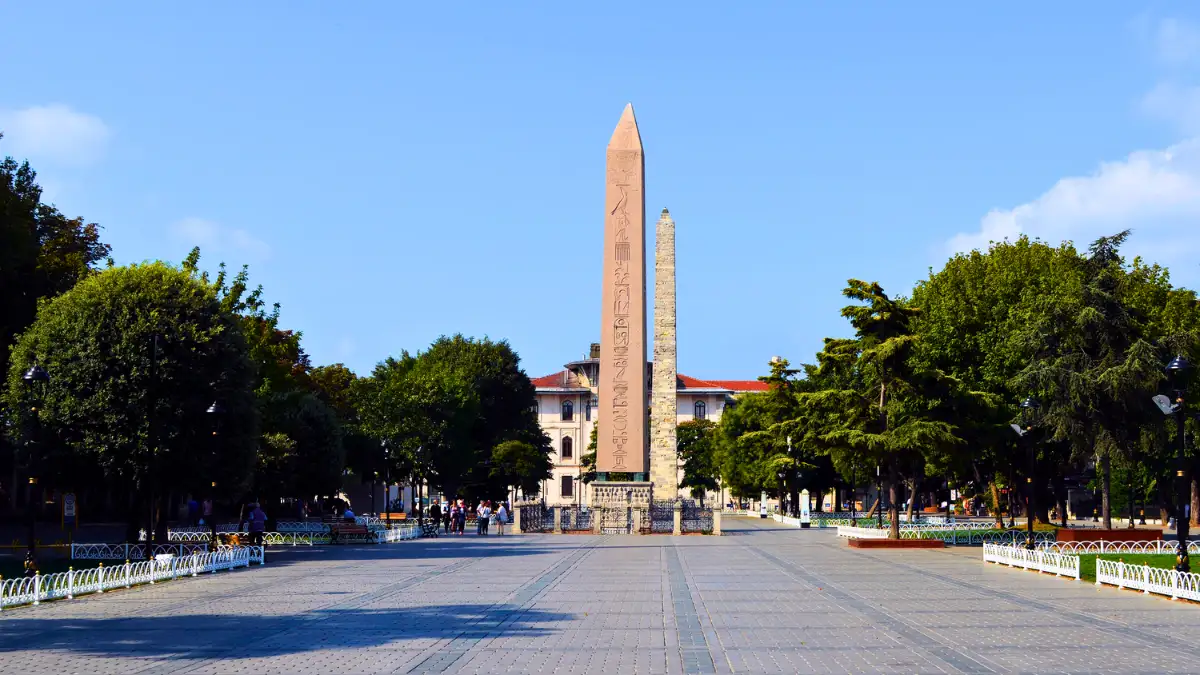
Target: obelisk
[
  {"x": 621, "y": 437},
  {"x": 664, "y": 458}
]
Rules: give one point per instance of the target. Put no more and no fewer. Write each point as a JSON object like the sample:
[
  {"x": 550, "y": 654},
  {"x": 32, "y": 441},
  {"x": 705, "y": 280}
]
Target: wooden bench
[{"x": 342, "y": 533}]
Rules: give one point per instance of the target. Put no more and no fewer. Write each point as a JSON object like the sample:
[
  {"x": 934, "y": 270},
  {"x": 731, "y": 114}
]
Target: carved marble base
[{"x": 621, "y": 507}]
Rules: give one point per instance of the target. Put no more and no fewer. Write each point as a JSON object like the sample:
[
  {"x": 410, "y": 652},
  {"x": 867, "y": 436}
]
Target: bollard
[
  {"x": 677, "y": 528},
  {"x": 557, "y": 520},
  {"x": 100, "y": 578},
  {"x": 37, "y": 586},
  {"x": 128, "y": 572},
  {"x": 716, "y": 522},
  {"x": 70, "y": 583}
]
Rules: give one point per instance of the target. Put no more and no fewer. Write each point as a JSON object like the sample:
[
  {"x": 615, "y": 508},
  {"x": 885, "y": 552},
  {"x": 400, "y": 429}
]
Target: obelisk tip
[{"x": 626, "y": 135}]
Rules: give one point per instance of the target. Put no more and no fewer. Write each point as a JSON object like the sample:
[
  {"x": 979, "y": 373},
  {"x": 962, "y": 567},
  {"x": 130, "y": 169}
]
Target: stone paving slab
[{"x": 767, "y": 599}]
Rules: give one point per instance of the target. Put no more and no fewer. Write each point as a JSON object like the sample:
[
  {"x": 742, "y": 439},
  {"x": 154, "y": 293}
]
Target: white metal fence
[
  {"x": 1148, "y": 579},
  {"x": 951, "y": 535},
  {"x": 1058, "y": 564},
  {"x": 1157, "y": 546},
  {"x": 400, "y": 532},
  {"x": 37, "y": 588}
]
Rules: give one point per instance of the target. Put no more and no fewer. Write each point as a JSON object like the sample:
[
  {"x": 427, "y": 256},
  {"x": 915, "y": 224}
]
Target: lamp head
[
  {"x": 1178, "y": 371},
  {"x": 215, "y": 409},
  {"x": 36, "y": 374}
]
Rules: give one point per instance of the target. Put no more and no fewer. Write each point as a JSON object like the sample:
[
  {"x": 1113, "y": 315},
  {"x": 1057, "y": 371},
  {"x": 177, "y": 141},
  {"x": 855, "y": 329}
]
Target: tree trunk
[
  {"x": 1060, "y": 493},
  {"x": 894, "y": 497},
  {"x": 997, "y": 511},
  {"x": 1105, "y": 486},
  {"x": 871, "y": 513}
]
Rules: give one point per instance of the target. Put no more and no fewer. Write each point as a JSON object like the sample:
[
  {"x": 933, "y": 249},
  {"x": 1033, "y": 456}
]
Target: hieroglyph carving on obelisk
[
  {"x": 621, "y": 439},
  {"x": 664, "y": 459}
]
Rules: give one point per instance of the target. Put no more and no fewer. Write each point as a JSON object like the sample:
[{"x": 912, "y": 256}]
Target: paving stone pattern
[{"x": 765, "y": 599}]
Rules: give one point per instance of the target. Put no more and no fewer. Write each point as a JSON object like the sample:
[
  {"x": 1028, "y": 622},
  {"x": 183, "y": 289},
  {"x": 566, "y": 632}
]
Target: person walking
[
  {"x": 258, "y": 524},
  {"x": 435, "y": 514},
  {"x": 501, "y": 519},
  {"x": 487, "y": 517},
  {"x": 447, "y": 508},
  {"x": 462, "y": 517}
]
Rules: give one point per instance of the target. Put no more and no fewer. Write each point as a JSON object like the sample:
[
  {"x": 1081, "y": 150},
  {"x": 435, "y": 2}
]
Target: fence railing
[
  {"x": 1077, "y": 547},
  {"x": 38, "y": 588},
  {"x": 1148, "y": 579},
  {"x": 861, "y": 532},
  {"x": 132, "y": 551},
  {"x": 1058, "y": 564},
  {"x": 403, "y": 532},
  {"x": 953, "y": 536},
  {"x": 575, "y": 518}
]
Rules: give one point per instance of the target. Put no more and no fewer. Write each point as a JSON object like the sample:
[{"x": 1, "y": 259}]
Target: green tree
[
  {"x": 522, "y": 465},
  {"x": 136, "y": 355},
  {"x": 42, "y": 253},
  {"x": 505, "y": 399},
  {"x": 695, "y": 443},
  {"x": 897, "y": 413},
  {"x": 587, "y": 461}
]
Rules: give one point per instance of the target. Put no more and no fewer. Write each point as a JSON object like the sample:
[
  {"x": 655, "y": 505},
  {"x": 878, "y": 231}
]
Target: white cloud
[
  {"x": 1177, "y": 42},
  {"x": 214, "y": 238},
  {"x": 1156, "y": 193},
  {"x": 54, "y": 133},
  {"x": 1174, "y": 103}
]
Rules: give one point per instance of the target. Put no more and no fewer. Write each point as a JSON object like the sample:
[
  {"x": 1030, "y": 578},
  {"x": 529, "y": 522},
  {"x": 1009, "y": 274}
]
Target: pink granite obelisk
[{"x": 622, "y": 437}]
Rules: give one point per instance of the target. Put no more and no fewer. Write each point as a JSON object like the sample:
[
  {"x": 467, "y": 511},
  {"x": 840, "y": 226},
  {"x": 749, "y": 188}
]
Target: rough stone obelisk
[
  {"x": 621, "y": 438},
  {"x": 664, "y": 459}
]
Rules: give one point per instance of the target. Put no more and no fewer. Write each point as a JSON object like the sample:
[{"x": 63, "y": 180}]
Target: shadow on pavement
[{"x": 209, "y": 635}]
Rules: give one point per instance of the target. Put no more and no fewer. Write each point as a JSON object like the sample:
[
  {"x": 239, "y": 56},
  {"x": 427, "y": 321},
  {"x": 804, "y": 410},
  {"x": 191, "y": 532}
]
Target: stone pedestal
[
  {"x": 717, "y": 522},
  {"x": 678, "y": 527},
  {"x": 557, "y": 521},
  {"x": 621, "y": 507}
]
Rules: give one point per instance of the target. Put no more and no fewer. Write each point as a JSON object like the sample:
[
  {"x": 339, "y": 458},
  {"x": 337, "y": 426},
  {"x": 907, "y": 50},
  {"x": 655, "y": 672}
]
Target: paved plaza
[{"x": 763, "y": 599}]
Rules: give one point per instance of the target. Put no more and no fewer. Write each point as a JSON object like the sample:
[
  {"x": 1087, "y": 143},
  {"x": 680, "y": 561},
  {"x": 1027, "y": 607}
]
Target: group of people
[{"x": 453, "y": 516}]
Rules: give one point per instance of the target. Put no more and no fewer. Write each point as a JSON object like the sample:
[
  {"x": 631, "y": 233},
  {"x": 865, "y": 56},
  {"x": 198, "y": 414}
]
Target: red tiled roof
[
  {"x": 688, "y": 382},
  {"x": 742, "y": 385},
  {"x": 558, "y": 381},
  {"x": 571, "y": 381}
]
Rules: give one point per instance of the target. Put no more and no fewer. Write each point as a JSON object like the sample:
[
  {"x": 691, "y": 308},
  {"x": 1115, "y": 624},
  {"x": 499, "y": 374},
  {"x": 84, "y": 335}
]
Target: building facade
[{"x": 567, "y": 411}]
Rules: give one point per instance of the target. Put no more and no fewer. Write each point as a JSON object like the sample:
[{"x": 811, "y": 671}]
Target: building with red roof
[{"x": 567, "y": 411}]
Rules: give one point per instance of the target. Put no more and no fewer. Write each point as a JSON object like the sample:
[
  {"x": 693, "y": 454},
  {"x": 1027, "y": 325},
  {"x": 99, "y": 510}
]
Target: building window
[
  {"x": 568, "y": 411},
  {"x": 535, "y": 408},
  {"x": 587, "y": 409},
  {"x": 568, "y": 486},
  {"x": 701, "y": 410},
  {"x": 568, "y": 447}
]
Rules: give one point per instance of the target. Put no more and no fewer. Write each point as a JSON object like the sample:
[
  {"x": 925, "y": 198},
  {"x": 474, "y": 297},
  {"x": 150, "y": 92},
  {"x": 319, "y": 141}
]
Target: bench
[
  {"x": 341, "y": 533},
  {"x": 429, "y": 529}
]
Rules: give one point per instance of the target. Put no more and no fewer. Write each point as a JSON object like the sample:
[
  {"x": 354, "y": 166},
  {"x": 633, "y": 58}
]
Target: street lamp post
[
  {"x": 387, "y": 487},
  {"x": 782, "y": 486},
  {"x": 853, "y": 494},
  {"x": 35, "y": 379},
  {"x": 216, "y": 413},
  {"x": 1178, "y": 371},
  {"x": 879, "y": 495},
  {"x": 1029, "y": 411}
]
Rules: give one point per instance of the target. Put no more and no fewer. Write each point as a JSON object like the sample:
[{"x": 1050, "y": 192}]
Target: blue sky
[{"x": 395, "y": 171}]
